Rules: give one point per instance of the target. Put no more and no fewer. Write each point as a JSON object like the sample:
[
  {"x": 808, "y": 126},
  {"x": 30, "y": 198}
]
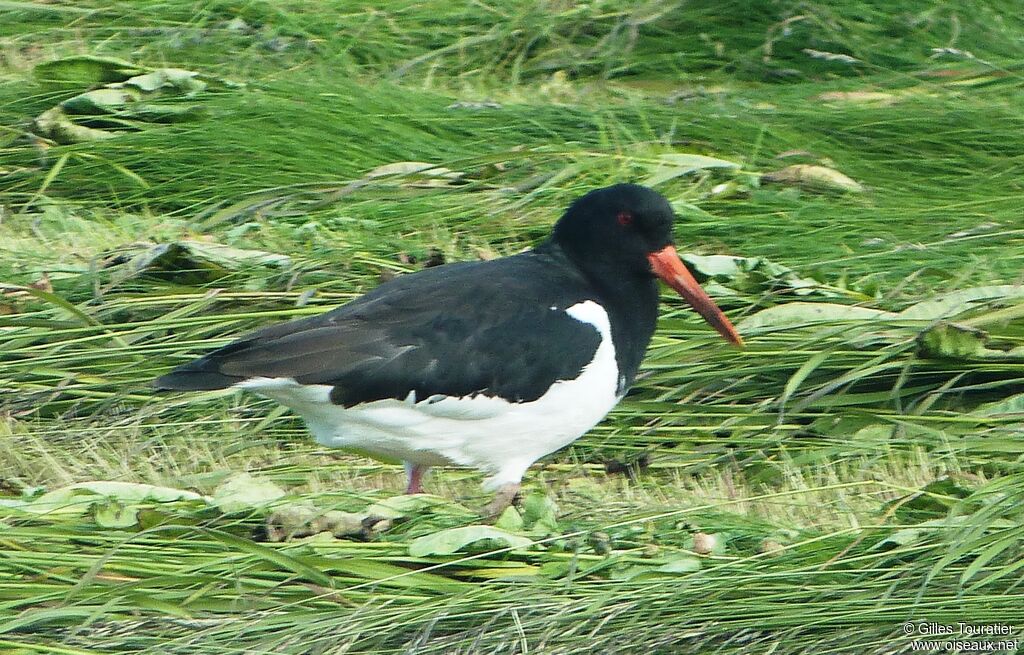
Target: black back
[{"x": 497, "y": 328}]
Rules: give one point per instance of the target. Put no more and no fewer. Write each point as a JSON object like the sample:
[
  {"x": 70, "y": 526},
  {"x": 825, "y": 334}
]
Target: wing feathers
[{"x": 443, "y": 331}]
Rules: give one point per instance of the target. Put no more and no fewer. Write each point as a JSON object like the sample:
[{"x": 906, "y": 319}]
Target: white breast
[{"x": 491, "y": 434}]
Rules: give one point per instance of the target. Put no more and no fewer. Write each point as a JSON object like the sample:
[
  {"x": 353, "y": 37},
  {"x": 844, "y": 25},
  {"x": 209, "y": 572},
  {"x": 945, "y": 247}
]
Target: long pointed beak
[{"x": 666, "y": 264}]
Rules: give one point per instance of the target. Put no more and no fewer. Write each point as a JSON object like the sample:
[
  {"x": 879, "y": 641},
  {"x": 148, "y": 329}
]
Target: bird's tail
[{"x": 199, "y": 375}]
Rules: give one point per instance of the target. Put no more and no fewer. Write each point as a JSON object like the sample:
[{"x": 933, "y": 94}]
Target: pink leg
[{"x": 415, "y": 473}]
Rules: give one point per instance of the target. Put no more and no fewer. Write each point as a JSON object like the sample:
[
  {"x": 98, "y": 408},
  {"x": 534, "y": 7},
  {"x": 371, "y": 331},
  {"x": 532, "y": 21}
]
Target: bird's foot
[{"x": 506, "y": 495}]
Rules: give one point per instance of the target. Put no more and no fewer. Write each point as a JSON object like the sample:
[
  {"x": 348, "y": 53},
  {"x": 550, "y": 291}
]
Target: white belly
[{"x": 498, "y": 437}]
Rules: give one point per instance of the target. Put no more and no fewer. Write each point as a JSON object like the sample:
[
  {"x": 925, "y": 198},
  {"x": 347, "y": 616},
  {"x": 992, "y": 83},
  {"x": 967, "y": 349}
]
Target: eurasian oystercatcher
[{"x": 488, "y": 364}]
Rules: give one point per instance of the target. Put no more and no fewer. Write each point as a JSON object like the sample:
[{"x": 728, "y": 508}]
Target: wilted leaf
[
  {"x": 673, "y": 165},
  {"x": 804, "y": 313},
  {"x": 876, "y": 98},
  {"x": 903, "y": 537},
  {"x": 480, "y": 537},
  {"x": 55, "y": 125},
  {"x": 957, "y": 302},
  {"x": 980, "y": 228},
  {"x": 121, "y": 98},
  {"x": 235, "y": 258},
  {"x": 752, "y": 275},
  {"x": 831, "y": 56},
  {"x": 814, "y": 178},
  {"x": 175, "y": 80},
  {"x": 427, "y": 174},
  {"x": 243, "y": 492},
  {"x": 187, "y": 262},
  {"x": 304, "y": 519}
]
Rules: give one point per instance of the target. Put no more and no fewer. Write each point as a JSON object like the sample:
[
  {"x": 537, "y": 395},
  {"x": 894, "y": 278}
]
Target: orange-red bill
[{"x": 666, "y": 264}]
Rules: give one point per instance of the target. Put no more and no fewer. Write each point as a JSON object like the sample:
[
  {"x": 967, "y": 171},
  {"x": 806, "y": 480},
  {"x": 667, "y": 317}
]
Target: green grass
[{"x": 854, "y": 480}]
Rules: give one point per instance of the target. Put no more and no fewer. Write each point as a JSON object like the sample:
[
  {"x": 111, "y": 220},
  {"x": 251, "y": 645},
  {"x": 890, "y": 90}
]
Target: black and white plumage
[{"x": 489, "y": 364}]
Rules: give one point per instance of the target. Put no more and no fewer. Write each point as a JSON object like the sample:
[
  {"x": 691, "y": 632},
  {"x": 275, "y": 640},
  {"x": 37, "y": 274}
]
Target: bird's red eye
[{"x": 625, "y": 218}]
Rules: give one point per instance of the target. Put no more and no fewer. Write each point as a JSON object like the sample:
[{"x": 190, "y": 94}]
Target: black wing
[{"x": 451, "y": 330}]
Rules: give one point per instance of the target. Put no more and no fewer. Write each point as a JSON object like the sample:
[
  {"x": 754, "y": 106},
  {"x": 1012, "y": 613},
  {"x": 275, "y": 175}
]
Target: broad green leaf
[
  {"x": 77, "y": 498},
  {"x": 961, "y": 342},
  {"x": 404, "y": 505},
  {"x": 101, "y": 101},
  {"x": 540, "y": 514},
  {"x": 243, "y": 492},
  {"x": 85, "y": 71},
  {"x": 722, "y": 267},
  {"x": 687, "y": 564},
  {"x": 1012, "y": 405},
  {"x": 510, "y": 520},
  {"x": 125, "y": 492},
  {"x": 874, "y": 433},
  {"x": 112, "y": 514},
  {"x": 480, "y": 537}
]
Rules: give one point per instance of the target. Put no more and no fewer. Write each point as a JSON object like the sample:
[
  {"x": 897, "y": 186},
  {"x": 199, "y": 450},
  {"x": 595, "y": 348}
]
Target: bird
[{"x": 485, "y": 364}]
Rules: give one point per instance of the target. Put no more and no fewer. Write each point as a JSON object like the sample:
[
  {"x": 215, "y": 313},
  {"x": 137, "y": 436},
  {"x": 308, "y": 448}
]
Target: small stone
[
  {"x": 770, "y": 547},
  {"x": 704, "y": 543}
]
